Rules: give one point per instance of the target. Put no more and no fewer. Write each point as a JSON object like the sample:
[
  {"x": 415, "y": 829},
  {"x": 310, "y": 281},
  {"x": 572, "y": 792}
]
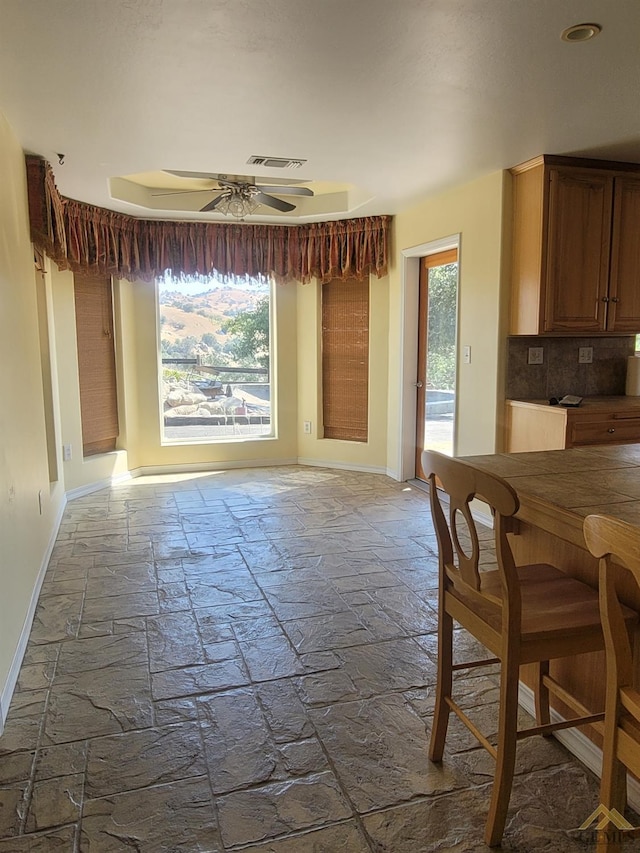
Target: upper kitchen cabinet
[
  {"x": 576, "y": 254},
  {"x": 624, "y": 277}
]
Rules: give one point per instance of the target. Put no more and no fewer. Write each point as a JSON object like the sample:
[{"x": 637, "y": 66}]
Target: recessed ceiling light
[{"x": 580, "y": 32}]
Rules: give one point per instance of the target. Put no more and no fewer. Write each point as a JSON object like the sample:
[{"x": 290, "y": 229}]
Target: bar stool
[
  {"x": 608, "y": 537},
  {"x": 522, "y": 615}
]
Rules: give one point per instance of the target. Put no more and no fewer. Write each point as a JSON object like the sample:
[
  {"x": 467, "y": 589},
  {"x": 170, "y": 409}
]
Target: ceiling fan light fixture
[
  {"x": 580, "y": 32},
  {"x": 238, "y": 204}
]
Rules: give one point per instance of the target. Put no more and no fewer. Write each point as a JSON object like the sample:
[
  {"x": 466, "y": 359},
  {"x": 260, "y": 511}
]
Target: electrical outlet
[
  {"x": 585, "y": 355},
  {"x": 536, "y": 355},
  {"x": 307, "y": 427},
  {"x": 466, "y": 355},
  {"x": 66, "y": 452}
]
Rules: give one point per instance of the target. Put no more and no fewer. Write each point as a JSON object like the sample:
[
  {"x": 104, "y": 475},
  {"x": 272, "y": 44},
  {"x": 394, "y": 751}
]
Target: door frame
[{"x": 409, "y": 297}]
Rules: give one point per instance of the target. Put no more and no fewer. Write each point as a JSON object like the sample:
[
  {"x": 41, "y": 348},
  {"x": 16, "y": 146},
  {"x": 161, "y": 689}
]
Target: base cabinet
[{"x": 535, "y": 425}]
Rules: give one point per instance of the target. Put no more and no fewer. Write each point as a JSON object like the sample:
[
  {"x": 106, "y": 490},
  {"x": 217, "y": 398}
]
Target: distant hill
[{"x": 185, "y": 316}]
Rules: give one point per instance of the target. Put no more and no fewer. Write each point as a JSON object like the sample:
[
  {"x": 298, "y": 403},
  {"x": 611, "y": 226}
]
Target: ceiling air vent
[{"x": 276, "y": 162}]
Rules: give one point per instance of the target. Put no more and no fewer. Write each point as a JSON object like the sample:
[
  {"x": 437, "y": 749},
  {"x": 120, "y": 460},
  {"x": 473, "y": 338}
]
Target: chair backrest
[
  {"x": 608, "y": 537},
  {"x": 463, "y": 482}
]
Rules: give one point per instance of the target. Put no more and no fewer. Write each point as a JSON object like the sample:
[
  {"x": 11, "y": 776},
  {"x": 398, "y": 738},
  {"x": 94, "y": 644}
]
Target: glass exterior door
[{"x": 436, "y": 371}]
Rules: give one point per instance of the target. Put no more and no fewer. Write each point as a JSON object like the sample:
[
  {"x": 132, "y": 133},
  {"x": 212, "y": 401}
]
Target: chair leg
[
  {"x": 443, "y": 688},
  {"x": 613, "y": 784},
  {"x": 606, "y": 844},
  {"x": 506, "y": 749},
  {"x": 543, "y": 717}
]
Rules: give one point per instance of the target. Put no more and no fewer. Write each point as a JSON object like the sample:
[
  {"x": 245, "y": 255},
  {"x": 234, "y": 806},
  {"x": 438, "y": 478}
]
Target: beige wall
[
  {"x": 475, "y": 212},
  {"x": 25, "y": 532}
]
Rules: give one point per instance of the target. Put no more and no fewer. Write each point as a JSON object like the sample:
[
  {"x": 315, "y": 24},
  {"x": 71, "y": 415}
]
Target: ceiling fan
[{"x": 239, "y": 195}]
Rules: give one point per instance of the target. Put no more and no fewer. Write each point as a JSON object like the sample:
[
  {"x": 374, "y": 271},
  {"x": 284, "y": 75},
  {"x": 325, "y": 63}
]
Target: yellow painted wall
[
  {"x": 25, "y": 533},
  {"x": 312, "y": 448},
  {"x": 475, "y": 211}
]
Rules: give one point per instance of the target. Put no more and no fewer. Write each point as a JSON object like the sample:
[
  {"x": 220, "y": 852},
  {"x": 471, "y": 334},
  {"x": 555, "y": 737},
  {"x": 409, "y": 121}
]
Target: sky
[{"x": 193, "y": 286}]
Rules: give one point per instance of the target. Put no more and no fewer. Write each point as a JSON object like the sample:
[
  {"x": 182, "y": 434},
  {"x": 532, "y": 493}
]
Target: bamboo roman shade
[
  {"x": 96, "y": 363},
  {"x": 345, "y": 359}
]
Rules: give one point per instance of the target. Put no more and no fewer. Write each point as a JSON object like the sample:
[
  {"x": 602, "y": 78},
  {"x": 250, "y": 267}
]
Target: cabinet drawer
[{"x": 604, "y": 431}]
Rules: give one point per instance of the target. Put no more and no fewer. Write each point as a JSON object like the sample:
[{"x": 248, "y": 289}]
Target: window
[
  {"x": 215, "y": 347},
  {"x": 96, "y": 363},
  {"x": 345, "y": 359}
]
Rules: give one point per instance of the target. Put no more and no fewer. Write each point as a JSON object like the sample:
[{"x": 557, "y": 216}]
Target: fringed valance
[{"x": 85, "y": 238}]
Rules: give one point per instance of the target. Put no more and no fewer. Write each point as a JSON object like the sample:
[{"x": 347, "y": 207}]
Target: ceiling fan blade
[
  {"x": 284, "y": 190},
  {"x": 272, "y": 201},
  {"x": 186, "y": 192},
  {"x": 213, "y": 204},
  {"x": 179, "y": 174}
]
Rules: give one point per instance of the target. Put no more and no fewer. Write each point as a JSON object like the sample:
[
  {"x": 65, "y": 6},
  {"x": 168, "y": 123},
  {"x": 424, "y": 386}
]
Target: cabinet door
[
  {"x": 577, "y": 259},
  {"x": 624, "y": 282}
]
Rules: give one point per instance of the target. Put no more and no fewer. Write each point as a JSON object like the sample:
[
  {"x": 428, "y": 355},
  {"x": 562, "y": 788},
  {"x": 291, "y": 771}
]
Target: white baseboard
[
  {"x": 195, "y": 467},
  {"x": 341, "y": 466},
  {"x": 81, "y": 491},
  {"x": 204, "y": 467},
  {"x": 14, "y": 670},
  {"x": 579, "y": 745}
]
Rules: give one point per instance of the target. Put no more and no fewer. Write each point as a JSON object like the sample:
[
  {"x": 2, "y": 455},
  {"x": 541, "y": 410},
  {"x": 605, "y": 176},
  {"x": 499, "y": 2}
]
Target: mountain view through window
[{"x": 215, "y": 358}]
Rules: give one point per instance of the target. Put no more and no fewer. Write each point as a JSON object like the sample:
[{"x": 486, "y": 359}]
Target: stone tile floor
[{"x": 246, "y": 661}]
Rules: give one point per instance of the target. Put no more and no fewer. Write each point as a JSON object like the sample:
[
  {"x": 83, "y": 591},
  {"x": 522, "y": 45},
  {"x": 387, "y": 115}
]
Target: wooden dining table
[{"x": 557, "y": 490}]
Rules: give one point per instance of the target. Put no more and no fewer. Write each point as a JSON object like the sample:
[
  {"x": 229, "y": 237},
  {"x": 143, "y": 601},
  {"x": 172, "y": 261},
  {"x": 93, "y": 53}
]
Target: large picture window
[{"x": 215, "y": 346}]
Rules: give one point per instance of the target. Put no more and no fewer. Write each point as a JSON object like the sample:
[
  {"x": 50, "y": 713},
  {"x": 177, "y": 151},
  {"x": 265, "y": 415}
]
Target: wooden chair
[
  {"x": 525, "y": 614},
  {"x": 606, "y": 538}
]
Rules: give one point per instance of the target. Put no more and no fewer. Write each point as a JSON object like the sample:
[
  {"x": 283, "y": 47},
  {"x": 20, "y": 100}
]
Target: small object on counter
[
  {"x": 570, "y": 400},
  {"x": 632, "y": 387}
]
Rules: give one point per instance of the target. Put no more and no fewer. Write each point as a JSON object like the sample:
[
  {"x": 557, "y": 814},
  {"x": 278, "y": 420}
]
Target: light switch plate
[{"x": 536, "y": 355}]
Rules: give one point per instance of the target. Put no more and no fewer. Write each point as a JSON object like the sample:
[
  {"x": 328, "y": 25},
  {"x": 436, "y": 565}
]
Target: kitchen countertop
[
  {"x": 592, "y": 405},
  {"x": 558, "y": 488}
]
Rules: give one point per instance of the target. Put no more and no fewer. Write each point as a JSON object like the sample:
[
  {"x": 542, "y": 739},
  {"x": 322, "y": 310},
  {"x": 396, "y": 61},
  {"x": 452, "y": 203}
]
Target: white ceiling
[{"x": 396, "y": 98}]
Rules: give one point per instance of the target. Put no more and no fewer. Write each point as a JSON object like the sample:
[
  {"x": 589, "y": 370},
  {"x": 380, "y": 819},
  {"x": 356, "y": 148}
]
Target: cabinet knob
[
  {"x": 611, "y": 429},
  {"x": 615, "y": 299},
  {"x": 605, "y": 298}
]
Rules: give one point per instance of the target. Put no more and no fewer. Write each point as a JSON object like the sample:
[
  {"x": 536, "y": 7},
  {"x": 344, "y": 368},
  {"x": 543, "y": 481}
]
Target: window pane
[
  {"x": 215, "y": 353},
  {"x": 442, "y": 299}
]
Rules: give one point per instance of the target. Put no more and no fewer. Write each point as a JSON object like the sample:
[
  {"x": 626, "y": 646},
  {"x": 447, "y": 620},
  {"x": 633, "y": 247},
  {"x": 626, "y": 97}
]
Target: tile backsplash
[{"x": 560, "y": 373}]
